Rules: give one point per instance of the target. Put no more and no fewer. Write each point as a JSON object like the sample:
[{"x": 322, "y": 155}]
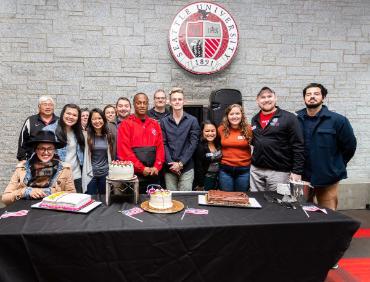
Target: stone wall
[{"x": 91, "y": 52}]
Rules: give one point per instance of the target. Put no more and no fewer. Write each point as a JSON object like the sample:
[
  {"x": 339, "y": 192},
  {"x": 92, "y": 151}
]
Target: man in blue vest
[{"x": 329, "y": 145}]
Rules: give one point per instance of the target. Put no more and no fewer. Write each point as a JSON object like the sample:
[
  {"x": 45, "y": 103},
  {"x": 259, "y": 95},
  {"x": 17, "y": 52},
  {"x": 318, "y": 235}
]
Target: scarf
[{"x": 42, "y": 173}]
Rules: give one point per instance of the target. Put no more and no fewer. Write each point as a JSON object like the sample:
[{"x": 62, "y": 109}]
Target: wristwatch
[{"x": 181, "y": 165}]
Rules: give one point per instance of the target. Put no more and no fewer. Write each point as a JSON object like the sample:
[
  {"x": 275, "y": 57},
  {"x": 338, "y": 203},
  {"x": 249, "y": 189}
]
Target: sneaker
[{"x": 335, "y": 266}]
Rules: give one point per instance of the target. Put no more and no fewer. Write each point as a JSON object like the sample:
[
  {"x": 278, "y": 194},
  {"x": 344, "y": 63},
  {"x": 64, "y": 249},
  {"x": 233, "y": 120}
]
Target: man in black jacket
[
  {"x": 34, "y": 124},
  {"x": 159, "y": 110},
  {"x": 278, "y": 150}
]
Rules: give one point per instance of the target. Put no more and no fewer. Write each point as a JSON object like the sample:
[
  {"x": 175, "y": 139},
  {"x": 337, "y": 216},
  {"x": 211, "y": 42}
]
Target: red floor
[{"x": 355, "y": 265}]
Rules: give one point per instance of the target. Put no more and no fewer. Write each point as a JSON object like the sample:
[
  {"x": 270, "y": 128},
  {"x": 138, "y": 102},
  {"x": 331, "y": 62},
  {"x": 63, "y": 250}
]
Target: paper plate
[{"x": 176, "y": 207}]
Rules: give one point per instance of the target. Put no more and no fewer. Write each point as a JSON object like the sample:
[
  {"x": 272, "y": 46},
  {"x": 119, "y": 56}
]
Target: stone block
[
  {"x": 352, "y": 59},
  {"x": 37, "y": 57},
  {"x": 363, "y": 48},
  {"x": 102, "y": 64},
  {"x": 123, "y": 81},
  {"x": 8, "y": 7},
  {"x": 303, "y": 70},
  {"x": 71, "y": 5},
  {"x": 59, "y": 40},
  {"x": 69, "y": 73},
  {"x": 328, "y": 67},
  {"x": 326, "y": 56},
  {"x": 83, "y": 50}
]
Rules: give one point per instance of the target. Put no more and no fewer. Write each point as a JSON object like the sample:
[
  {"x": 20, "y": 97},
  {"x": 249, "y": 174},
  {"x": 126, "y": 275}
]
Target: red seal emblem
[{"x": 203, "y": 38}]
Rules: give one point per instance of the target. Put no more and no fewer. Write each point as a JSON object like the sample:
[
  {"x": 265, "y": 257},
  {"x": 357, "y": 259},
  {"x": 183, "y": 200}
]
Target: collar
[
  {"x": 134, "y": 118},
  {"x": 324, "y": 112},
  {"x": 184, "y": 116},
  {"x": 277, "y": 113},
  {"x": 53, "y": 119}
]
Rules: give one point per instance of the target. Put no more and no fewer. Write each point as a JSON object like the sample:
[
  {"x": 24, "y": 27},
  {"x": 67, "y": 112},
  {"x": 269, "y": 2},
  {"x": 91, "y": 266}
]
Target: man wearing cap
[
  {"x": 34, "y": 124},
  {"x": 42, "y": 174},
  {"x": 278, "y": 151},
  {"x": 329, "y": 145}
]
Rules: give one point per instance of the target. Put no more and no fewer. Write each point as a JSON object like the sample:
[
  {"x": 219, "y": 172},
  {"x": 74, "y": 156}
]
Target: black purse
[{"x": 146, "y": 155}]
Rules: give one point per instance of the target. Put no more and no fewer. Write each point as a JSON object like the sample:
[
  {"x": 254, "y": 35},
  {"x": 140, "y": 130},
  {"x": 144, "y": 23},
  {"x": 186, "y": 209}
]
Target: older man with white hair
[{"x": 34, "y": 124}]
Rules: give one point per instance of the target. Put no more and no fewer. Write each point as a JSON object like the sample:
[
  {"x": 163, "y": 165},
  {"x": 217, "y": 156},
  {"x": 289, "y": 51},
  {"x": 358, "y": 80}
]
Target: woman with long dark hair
[
  {"x": 207, "y": 158},
  {"x": 100, "y": 146},
  {"x": 68, "y": 131},
  {"x": 236, "y": 135}
]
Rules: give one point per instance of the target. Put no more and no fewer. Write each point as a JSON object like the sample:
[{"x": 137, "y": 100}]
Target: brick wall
[{"x": 91, "y": 52}]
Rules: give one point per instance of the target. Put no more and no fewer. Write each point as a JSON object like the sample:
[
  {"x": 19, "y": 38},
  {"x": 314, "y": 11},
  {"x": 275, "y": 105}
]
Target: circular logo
[{"x": 203, "y": 38}]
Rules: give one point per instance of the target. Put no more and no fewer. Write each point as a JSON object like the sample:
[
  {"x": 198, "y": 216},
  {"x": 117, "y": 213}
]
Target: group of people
[{"x": 168, "y": 147}]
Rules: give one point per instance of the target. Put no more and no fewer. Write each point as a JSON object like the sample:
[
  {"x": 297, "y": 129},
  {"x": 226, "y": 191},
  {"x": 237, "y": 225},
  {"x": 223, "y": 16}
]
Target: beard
[{"x": 313, "y": 106}]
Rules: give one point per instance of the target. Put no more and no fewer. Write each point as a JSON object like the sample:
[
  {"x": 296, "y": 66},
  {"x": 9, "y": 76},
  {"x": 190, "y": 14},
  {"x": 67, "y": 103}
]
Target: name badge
[
  {"x": 209, "y": 155},
  {"x": 240, "y": 137}
]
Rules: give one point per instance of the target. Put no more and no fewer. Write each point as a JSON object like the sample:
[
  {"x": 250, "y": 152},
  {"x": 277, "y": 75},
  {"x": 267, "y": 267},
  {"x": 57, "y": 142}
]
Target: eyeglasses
[{"x": 43, "y": 149}]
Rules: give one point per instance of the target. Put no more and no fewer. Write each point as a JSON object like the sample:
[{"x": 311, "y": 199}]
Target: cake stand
[{"x": 122, "y": 186}]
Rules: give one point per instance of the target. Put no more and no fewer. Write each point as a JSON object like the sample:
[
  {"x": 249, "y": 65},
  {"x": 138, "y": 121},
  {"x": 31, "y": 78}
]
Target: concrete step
[{"x": 353, "y": 196}]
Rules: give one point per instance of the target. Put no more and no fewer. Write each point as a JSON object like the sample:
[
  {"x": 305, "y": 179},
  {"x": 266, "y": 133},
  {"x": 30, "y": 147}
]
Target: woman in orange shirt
[{"x": 236, "y": 134}]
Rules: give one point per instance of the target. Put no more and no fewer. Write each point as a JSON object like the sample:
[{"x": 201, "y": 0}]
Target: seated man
[
  {"x": 139, "y": 140},
  {"x": 42, "y": 174}
]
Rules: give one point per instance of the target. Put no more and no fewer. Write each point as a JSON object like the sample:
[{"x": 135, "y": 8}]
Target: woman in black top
[{"x": 207, "y": 158}]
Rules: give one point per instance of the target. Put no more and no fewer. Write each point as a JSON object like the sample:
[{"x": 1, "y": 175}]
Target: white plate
[
  {"x": 86, "y": 209},
  {"x": 122, "y": 179},
  {"x": 253, "y": 203}
]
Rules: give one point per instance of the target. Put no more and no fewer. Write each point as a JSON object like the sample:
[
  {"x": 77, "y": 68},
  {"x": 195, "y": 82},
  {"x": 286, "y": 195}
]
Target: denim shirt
[{"x": 62, "y": 152}]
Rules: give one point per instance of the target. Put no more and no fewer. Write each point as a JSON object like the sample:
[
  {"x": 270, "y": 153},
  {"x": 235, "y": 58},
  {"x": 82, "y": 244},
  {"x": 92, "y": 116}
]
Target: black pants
[
  {"x": 144, "y": 181},
  {"x": 78, "y": 185}
]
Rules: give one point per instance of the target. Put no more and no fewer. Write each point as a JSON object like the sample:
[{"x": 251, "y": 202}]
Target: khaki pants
[
  {"x": 264, "y": 179},
  {"x": 326, "y": 197},
  {"x": 183, "y": 182}
]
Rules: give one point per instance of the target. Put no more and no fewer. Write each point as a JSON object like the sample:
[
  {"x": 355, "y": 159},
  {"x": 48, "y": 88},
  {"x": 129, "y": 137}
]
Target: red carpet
[
  {"x": 351, "y": 270},
  {"x": 362, "y": 233}
]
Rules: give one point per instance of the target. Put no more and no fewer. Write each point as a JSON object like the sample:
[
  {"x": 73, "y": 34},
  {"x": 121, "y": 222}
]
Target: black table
[{"x": 229, "y": 244}]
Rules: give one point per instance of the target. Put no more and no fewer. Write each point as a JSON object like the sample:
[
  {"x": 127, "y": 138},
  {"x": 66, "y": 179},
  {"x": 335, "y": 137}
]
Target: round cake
[
  {"x": 121, "y": 170},
  {"x": 160, "y": 199}
]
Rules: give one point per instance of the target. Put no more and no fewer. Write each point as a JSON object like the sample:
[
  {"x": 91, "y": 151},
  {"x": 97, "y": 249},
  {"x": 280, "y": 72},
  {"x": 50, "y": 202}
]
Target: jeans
[
  {"x": 96, "y": 185},
  {"x": 183, "y": 182},
  {"x": 210, "y": 181},
  {"x": 234, "y": 178}
]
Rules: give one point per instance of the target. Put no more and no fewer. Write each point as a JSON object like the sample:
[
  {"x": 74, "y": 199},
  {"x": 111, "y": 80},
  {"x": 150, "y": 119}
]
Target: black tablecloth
[{"x": 228, "y": 244}]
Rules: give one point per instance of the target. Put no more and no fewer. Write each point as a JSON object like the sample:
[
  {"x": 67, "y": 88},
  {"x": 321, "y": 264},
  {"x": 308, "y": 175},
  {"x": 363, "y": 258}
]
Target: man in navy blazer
[{"x": 329, "y": 145}]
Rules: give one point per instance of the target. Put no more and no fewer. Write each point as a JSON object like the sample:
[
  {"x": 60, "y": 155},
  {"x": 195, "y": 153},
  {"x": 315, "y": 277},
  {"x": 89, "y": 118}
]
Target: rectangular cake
[
  {"x": 227, "y": 198},
  {"x": 66, "y": 201}
]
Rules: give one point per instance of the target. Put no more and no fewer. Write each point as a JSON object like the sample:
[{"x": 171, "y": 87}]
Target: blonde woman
[{"x": 236, "y": 135}]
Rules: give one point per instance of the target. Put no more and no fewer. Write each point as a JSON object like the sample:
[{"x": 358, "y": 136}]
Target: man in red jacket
[{"x": 139, "y": 140}]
